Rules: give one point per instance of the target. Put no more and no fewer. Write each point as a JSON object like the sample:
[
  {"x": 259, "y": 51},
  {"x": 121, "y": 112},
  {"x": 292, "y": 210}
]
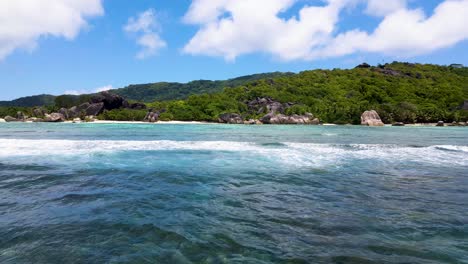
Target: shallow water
[{"x": 125, "y": 193}]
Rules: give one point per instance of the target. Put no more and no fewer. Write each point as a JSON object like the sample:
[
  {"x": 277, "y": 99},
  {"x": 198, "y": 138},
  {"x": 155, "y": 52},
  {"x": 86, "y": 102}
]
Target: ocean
[{"x": 188, "y": 193}]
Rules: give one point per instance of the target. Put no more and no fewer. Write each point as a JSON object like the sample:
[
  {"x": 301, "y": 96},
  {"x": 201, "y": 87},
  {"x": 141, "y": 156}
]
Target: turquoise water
[{"x": 120, "y": 193}]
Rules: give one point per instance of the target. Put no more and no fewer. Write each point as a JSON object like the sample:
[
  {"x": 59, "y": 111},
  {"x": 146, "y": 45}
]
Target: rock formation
[
  {"x": 54, "y": 117},
  {"x": 440, "y": 124},
  {"x": 10, "y": 119},
  {"x": 111, "y": 101},
  {"x": 371, "y": 118},
  {"x": 20, "y": 116},
  {"x": 231, "y": 118},
  {"x": 152, "y": 117},
  {"x": 278, "y": 119},
  {"x": 39, "y": 112}
]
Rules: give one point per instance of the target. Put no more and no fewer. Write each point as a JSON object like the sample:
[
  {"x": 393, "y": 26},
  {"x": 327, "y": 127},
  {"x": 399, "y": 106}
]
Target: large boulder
[
  {"x": 152, "y": 117},
  {"x": 78, "y": 111},
  {"x": 265, "y": 104},
  {"x": 39, "y": 112},
  {"x": 371, "y": 118},
  {"x": 64, "y": 112},
  {"x": 231, "y": 118},
  {"x": 94, "y": 109},
  {"x": 280, "y": 119},
  {"x": 440, "y": 124},
  {"x": 85, "y": 109},
  {"x": 54, "y": 117},
  {"x": 10, "y": 119},
  {"x": 111, "y": 101},
  {"x": 20, "y": 116}
]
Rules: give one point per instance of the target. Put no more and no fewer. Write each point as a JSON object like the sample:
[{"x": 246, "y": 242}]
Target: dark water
[{"x": 83, "y": 193}]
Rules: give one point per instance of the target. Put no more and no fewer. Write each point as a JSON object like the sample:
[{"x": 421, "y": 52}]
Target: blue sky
[{"x": 214, "y": 39}]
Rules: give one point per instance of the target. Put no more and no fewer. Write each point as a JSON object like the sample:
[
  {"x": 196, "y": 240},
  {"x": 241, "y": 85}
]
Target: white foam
[{"x": 294, "y": 154}]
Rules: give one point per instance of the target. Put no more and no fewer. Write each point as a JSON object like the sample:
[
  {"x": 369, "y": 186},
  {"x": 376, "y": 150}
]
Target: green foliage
[
  {"x": 30, "y": 101},
  {"x": 166, "y": 91},
  {"x": 12, "y": 111},
  {"x": 68, "y": 101},
  {"x": 123, "y": 115},
  {"x": 400, "y": 92}
]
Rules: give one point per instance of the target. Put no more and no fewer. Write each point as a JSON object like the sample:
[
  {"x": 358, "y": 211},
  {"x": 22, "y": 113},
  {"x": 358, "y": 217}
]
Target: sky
[{"x": 82, "y": 46}]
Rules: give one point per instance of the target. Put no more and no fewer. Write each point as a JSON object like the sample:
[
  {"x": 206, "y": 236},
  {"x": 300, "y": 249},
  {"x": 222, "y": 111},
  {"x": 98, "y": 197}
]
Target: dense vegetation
[
  {"x": 30, "y": 101},
  {"x": 166, "y": 91},
  {"x": 400, "y": 92}
]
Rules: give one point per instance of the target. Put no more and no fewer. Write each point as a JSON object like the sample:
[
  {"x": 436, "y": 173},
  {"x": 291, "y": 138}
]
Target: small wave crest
[{"x": 300, "y": 154}]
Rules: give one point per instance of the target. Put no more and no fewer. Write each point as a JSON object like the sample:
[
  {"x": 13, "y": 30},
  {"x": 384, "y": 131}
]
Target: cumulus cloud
[
  {"x": 23, "y": 22},
  {"x": 230, "y": 28},
  {"x": 96, "y": 90},
  {"x": 148, "y": 28},
  {"x": 383, "y": 8}
]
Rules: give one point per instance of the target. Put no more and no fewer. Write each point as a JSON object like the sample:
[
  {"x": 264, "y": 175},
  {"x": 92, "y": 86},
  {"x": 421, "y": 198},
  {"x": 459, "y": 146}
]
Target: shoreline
[{"x": 213, "y": 123}]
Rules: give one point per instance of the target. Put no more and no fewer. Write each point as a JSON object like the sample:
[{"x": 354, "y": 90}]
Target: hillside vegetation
[
  {"x": 400, "y": 92},
  {"x": 167, "y": 91}
]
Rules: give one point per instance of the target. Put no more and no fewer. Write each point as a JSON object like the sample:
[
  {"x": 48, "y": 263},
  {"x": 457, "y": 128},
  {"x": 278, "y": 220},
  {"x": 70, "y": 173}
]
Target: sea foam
[{"x": 300, "y": 154}]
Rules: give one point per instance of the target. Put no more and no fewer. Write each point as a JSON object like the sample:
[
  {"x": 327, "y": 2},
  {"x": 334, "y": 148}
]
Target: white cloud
[
  {"x": 407, "y": 33},
  {"x": 230, "y": 28},
  {"x": 384, "y": 7},
  {"x": 23, "y": 22},
  {"x": 148, "y": 27},
  {"x": 96, "y": 90}
]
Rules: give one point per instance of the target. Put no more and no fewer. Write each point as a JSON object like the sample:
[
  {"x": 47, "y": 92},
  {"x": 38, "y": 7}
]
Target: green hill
[
  {"x": 166, "y": 91},
  {"x": 400, "y": 92},
  {"x": 162, "y": 91},
  {"x": 30, "y": 101}
]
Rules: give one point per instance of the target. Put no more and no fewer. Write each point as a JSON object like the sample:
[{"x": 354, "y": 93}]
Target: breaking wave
[{"x": 294, "y": 153}]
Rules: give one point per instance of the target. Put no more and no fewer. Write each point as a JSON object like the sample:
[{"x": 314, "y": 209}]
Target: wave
[{"x": 293, "y": 153}]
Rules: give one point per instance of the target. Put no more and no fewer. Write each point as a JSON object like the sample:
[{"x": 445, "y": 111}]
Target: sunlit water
[{"x": 95, "y": 193}]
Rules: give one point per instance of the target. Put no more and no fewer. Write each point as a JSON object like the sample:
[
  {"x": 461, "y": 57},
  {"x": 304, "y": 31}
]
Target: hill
[
  {"x": 166, "y": 91},
  {"x": 31, "y": 101},
  {"x": 161, "y": 91},
  {"x": 400, "y": 92}
]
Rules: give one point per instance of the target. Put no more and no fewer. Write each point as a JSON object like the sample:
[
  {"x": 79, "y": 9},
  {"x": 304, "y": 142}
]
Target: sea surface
[{"x": 142, "y": 193}]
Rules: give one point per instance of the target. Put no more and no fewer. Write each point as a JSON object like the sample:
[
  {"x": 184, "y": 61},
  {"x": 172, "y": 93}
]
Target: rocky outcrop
[
  {"x": 94, "y": 109},
  {"x": 20, "y": 116},
  {"x": 10, "y": 119},
  {"x": 111, "y": 101},
  {"x": 152, "y": 117},
  {"x": 39, "y": 112},
  {"x": 54, "y": 117},
  {"x": 64, "y": 112},
  {"x": 231, "y": 118},
  {"x": 267, "y": 105},
  {"x": 278, "y": 119},
  {"x": 440, "y": 124},
  {"x": 252, "y": 122},
  {"x": 371, "y": 118}
]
